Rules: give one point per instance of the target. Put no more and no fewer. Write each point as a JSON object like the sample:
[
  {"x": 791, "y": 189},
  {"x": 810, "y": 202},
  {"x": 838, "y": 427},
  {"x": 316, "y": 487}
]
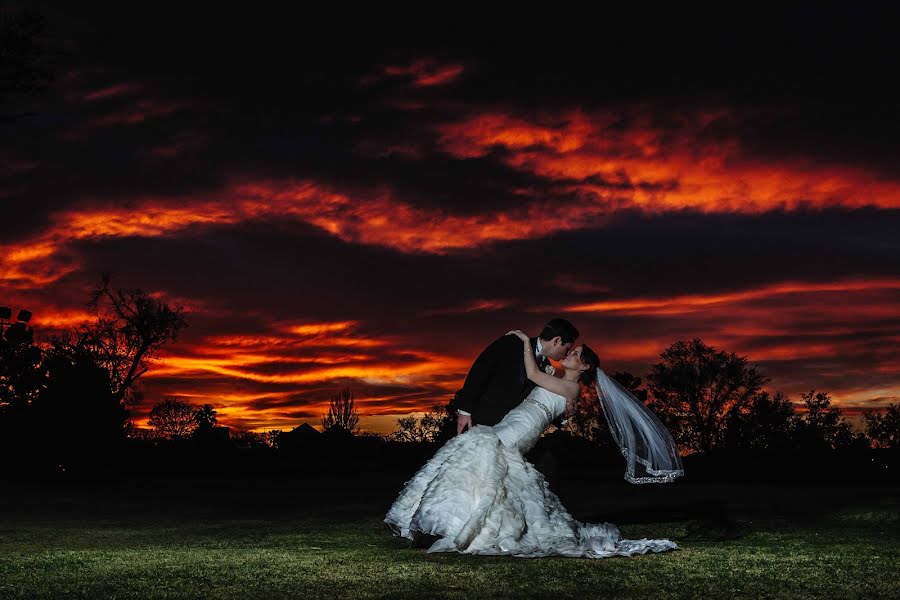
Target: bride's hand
[
  {"x": 570, "y": 409},
  {"x": 519, "y": 335}
]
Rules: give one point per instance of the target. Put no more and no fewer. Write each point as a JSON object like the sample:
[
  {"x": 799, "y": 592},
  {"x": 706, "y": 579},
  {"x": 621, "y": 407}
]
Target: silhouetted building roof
[
  {"x": 302, "y": 433},
  {"x": 305, "y": 430}
]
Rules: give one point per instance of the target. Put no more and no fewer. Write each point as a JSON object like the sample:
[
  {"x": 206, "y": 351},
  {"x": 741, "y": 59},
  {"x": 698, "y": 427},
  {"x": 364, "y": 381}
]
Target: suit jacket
[{"x": 496, "y": 382}]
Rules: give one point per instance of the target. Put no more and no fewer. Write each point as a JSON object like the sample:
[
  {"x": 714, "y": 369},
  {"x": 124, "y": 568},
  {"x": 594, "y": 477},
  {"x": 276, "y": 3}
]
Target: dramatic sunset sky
[{"x": 367, "y": 200}]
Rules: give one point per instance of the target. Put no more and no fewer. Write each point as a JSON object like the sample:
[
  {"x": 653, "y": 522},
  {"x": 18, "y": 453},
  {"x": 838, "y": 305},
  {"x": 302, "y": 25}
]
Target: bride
[{"x": 478, "y": 495}]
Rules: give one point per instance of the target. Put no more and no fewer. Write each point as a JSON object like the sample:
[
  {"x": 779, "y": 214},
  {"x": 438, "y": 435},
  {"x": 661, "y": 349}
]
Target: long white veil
[{"x": 648, "y": 448}]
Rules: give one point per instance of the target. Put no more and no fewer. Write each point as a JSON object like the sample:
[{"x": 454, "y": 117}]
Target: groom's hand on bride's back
[{"x": 463, "y": 421}]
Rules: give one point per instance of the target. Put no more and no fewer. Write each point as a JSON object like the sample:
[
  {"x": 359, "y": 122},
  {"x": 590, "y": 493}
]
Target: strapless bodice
[{"x": 523, "y": 425}]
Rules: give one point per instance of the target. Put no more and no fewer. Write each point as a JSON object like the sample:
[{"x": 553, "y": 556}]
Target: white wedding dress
[{"x": 480, "y": 496}]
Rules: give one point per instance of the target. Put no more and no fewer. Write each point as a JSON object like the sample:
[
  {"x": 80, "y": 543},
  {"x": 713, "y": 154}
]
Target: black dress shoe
[{"x": 423, "y": 540}]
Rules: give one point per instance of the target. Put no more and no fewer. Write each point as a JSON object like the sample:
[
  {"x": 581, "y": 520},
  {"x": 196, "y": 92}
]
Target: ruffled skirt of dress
[{"x": 481, "y": 497}]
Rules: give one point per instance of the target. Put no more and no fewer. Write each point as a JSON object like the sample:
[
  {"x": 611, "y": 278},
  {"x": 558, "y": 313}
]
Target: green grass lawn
[{"x": 850, "y": 552}]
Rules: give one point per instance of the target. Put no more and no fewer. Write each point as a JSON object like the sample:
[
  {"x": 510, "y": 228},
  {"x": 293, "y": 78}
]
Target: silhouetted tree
[
  {"x": 822, "y": 426},
  {"x": 90, "y": 376},
  {"x": 249, "y": 439},
  {"x": 440, "y": 422},
  {"x": 173, "y": 419},
  {"x": 768, "y": 423},
  {"x": 91, "y": 371},
  {"x": 81, "y": 422},
  {"x": 695, "y": 390},
  {"x": 22, "y": 374},
  {"x": 409, "y": 429},
  {"x": 131, "y": 327},
  {"x": 272, "y": 437},
  {"x": 437, "y": 425},
  {"x": 884, "y": 429},
  {"x": 205, "y": 416},
  {"x": 342, "y": 413},
  {"x": 140, "y": 433},
  {"x": 631, "y": 383}
]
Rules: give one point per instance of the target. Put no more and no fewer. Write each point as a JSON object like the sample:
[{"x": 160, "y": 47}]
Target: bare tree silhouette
[
  {"x": 131, "y": 326},
  {"x": 342, "y": 413},
  {"x": 68, "y": 398}
]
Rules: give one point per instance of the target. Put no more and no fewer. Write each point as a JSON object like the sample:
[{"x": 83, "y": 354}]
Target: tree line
[
  {"x": 710, "y": 400},
  {"x": 68, "y": 402}
]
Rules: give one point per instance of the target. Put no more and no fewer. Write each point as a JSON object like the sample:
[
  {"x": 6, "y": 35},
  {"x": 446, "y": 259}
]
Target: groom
[{"x": 497, "y": 382}]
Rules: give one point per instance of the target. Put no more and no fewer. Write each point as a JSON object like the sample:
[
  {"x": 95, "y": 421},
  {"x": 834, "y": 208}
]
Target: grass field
[{"x": 145, "y": 543}]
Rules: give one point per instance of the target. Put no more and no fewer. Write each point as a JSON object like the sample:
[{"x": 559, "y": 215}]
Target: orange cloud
[
  {"x": 60, "y": 318},
  {"x": 376, "y": 219},
  {"x": 660, "y": 169},
  {"x": 382, "y": 372},
  {"x": 293, "y": 359},
  {"x": 690, "y": 303},
  {"x": 601, "y": 166},
  {"x": 317, "y": 329}
]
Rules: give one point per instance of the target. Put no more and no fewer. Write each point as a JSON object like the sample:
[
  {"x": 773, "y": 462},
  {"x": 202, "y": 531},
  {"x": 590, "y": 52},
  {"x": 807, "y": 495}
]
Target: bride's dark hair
[{"x": 590, "y": 358}]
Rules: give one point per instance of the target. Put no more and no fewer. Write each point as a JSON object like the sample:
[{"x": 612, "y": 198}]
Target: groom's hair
[{"x": 559, "y": 327}]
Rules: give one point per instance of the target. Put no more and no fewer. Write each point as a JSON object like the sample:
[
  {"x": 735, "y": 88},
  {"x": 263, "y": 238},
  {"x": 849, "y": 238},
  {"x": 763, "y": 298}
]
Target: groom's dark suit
[{"x": 496, "y": 382}]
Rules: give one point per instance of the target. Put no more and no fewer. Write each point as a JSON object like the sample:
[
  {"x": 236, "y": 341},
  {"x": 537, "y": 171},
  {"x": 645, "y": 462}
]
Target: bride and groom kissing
[
  {"x": 497, "y": 381},
  {"x": 478, "y": 495}
]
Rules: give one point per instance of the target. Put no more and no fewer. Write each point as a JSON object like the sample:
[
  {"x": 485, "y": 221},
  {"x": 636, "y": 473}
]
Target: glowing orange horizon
[
  {"x": 336, "y": 354},
  {"x": 814, "y": 320},
  {"x": 760, "y": 334}
]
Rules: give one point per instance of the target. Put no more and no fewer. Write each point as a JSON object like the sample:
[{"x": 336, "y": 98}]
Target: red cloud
[
  {"x": 369, "y": 218},
  {"x": 425, "y": 72},
  {"x": 658, "y": 169},
  {"x": 601, "y": 165}
]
